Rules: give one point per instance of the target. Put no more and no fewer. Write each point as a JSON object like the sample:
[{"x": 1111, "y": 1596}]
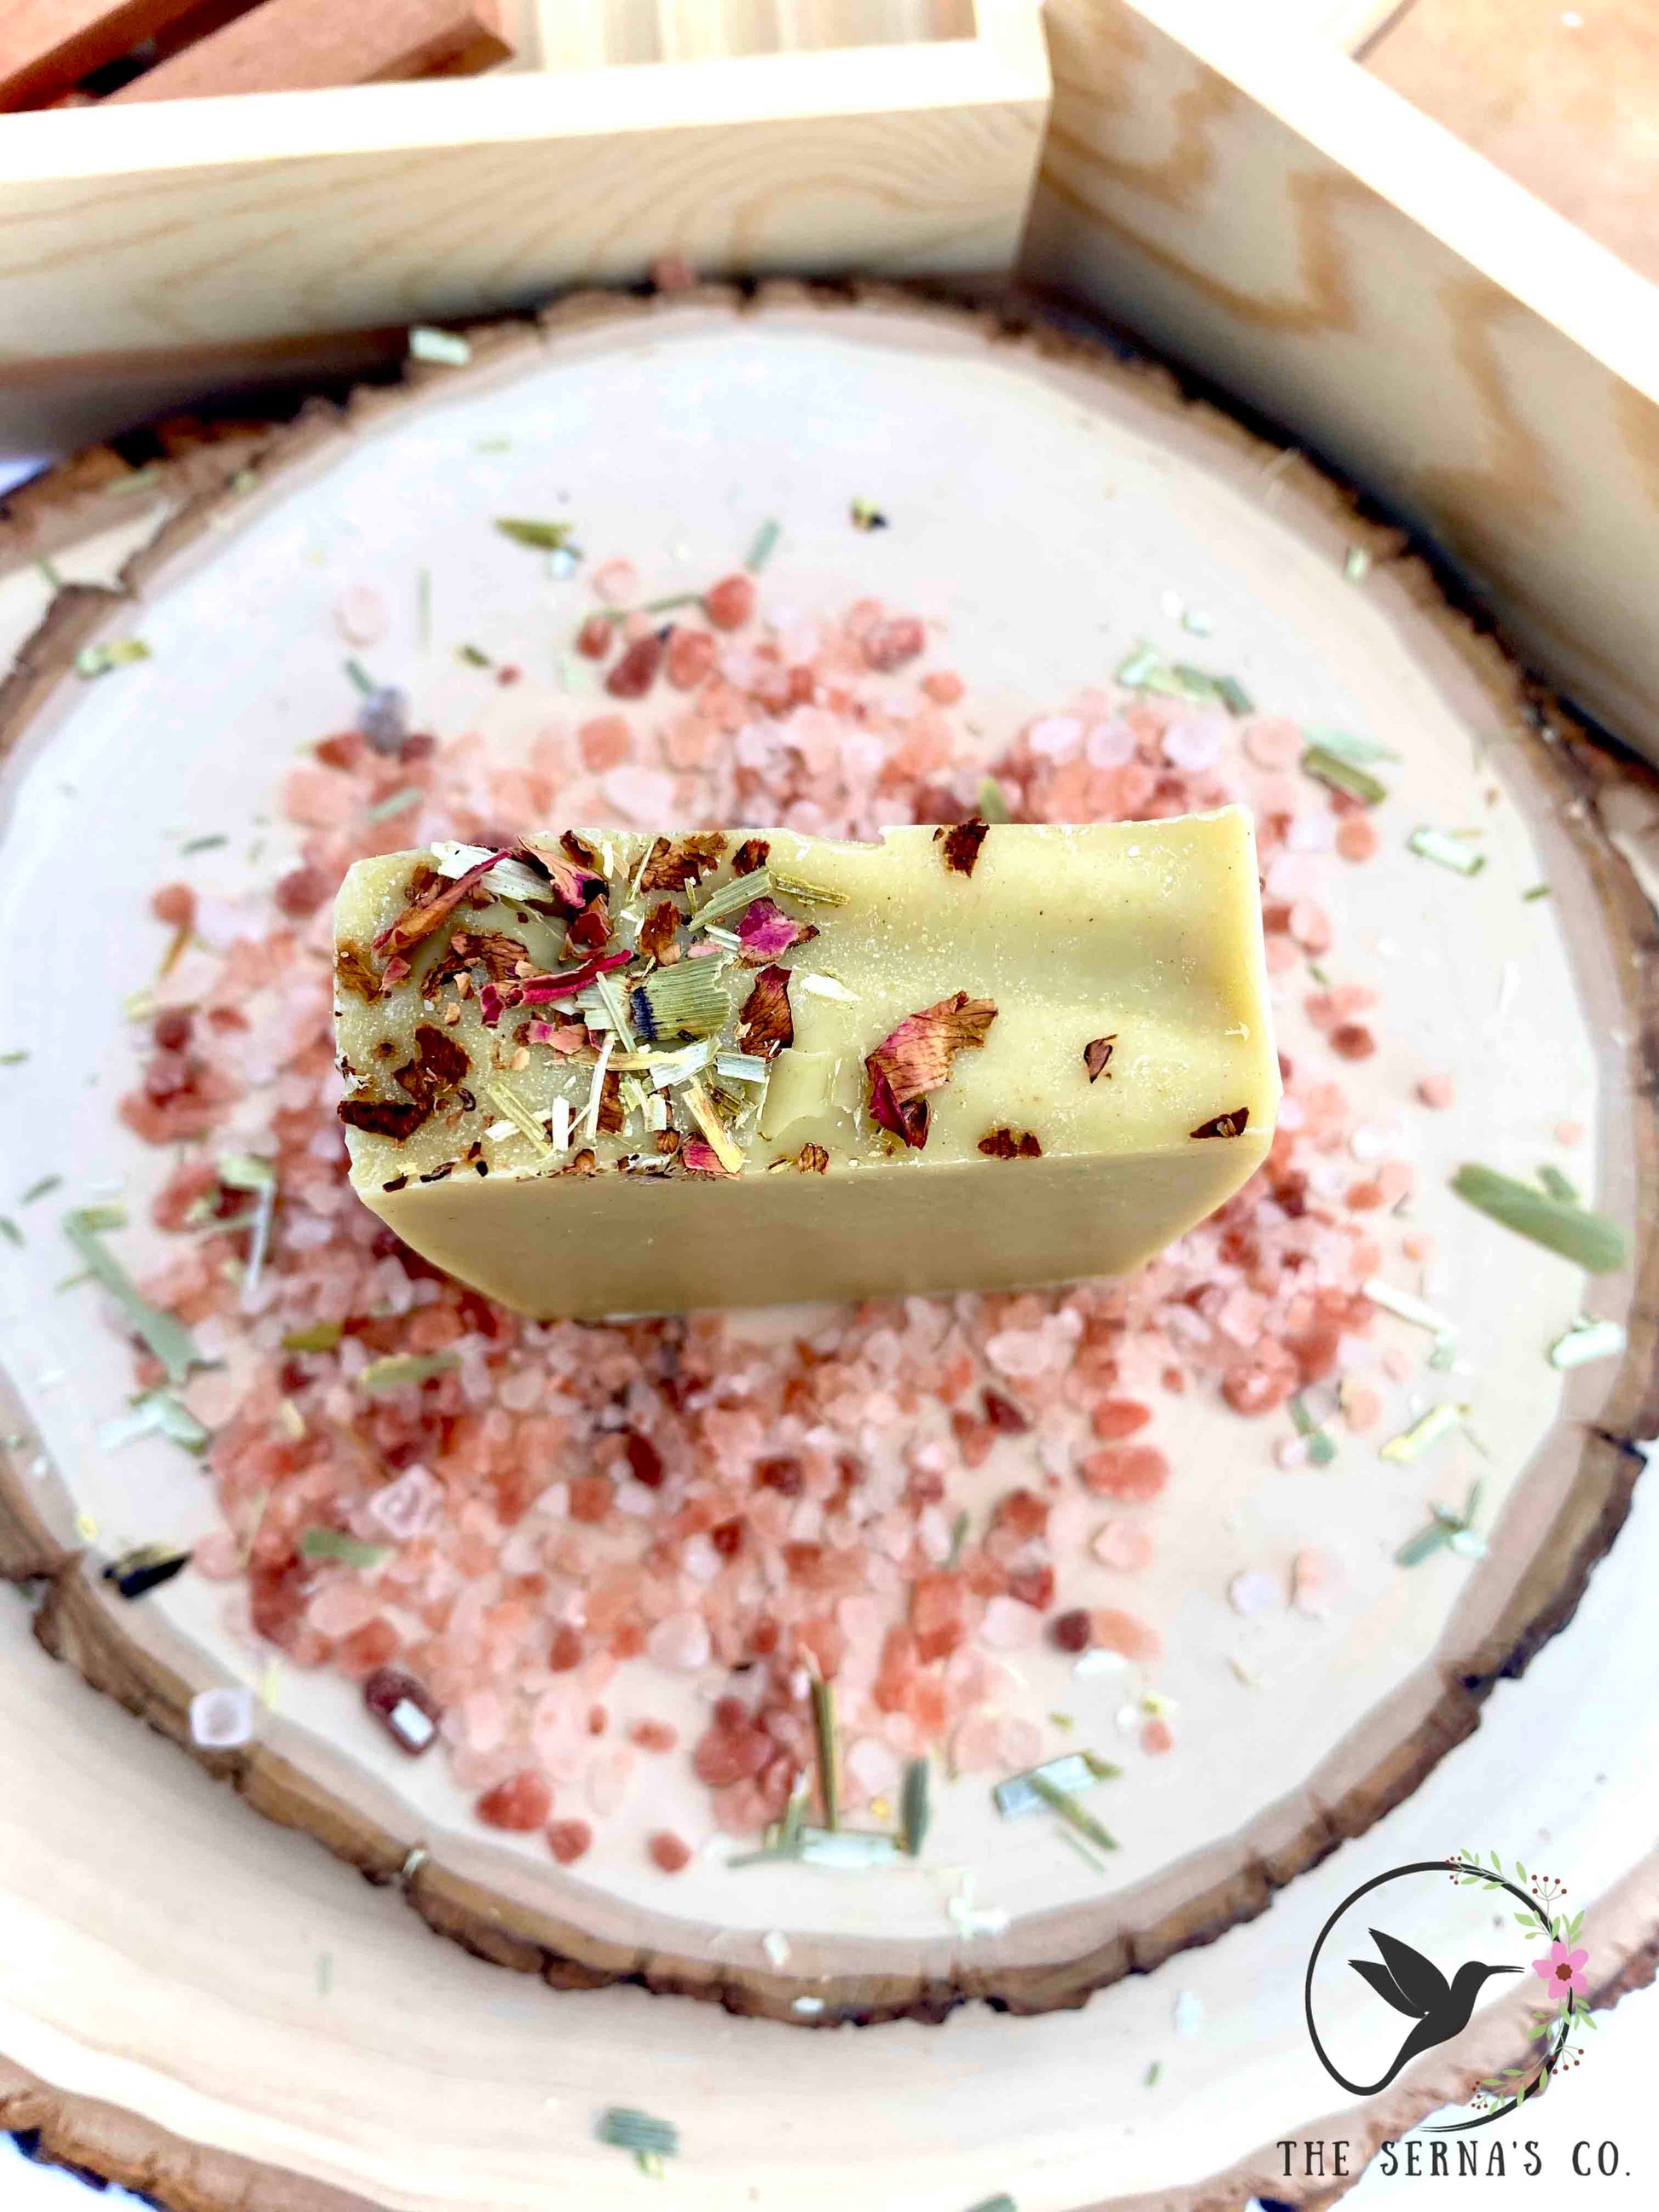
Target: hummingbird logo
[
  {"x": 1414, "y": 1985},
  {"x": 1435, "y": 2006}
]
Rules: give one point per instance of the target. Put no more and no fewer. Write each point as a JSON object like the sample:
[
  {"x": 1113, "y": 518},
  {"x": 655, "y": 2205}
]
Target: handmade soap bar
[{"x": 606, "y": 1073}]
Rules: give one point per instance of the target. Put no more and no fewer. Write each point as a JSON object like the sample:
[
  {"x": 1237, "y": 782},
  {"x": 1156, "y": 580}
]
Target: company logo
[{"x": 1428, "y": 1967}]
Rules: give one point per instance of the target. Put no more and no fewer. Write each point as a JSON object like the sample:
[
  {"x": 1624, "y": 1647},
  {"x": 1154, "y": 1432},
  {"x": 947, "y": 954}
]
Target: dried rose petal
[
  {"x": 432, "y": 905},
  {"x": 676, "y": 863},
  {"x": 438, "y": 1065},
  {"x": 701, "y": 1159},
  {"x": 908, "y": 1121},
  {"x": 766, "y": 1025},
  {"x": 397, "y": 1118},
  {"x": 659, "y": 930},
  {"x": 1006, "y": 1144},
  {"x": 918, "y": 1056},
  {"x": 1224, "y": 1125},
  {"x": 962, "y": 844},
  {"x": 765, "y": 930},
  {"x": 355, "y": 971}
]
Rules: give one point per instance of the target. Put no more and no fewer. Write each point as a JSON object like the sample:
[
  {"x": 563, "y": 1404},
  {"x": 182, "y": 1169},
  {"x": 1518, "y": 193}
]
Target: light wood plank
[{"x": 1273, "y": 214}]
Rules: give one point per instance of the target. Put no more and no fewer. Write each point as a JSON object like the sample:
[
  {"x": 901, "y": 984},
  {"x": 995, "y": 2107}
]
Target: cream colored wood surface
[
  {"x": 126, "y": 230},
  {"x": 1271, "y": 214},
  {"x": 170, "y": 1960}
]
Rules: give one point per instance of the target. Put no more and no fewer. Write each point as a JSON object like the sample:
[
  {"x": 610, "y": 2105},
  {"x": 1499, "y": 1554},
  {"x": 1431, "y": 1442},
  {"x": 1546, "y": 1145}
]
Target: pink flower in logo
[{"x": 1563, "y": 1971}]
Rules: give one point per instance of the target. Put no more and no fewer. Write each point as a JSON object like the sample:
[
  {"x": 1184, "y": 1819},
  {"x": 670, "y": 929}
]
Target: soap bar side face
[{"x": 1009, "y": 1003}]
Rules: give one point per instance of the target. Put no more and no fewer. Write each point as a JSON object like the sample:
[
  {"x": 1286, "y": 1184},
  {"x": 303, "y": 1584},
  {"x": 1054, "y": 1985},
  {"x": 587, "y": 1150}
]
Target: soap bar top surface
[{"x": 922, "y": 1001}]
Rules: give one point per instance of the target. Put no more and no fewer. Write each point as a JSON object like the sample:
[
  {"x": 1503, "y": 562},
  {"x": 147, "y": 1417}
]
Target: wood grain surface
[
  {"x": 299, "y": 45},
  {"x": 1270, "y": 213},
  {"x": 1495, "y": 1635},
  {"x": 1563, "y": 99}
]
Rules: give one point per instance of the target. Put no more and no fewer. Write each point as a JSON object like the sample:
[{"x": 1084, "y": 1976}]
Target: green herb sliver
[
  {"x": 528, "y": 530},
  {"x": 1447, "y": 851},
  {"x": 1591, "y": 1241},
  {"x": 1076, "y": 1815},
  {"x": 163, "y": 1333},
  {"x": 395, "y": 1369},
  {"x": 916, "y": 1810},
  {"x": 1322, "y": 1450},
  {"x": 651, "y": 2140},
  {"x": 335, "y": 1544},
  {"x": 1329, "y": 768},
  {"x": 829, "y": 1751}
]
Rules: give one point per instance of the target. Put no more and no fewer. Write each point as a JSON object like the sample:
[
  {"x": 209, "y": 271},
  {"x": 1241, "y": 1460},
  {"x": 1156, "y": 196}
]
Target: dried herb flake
[
  {"x": 1592, "y": 1240},
  {"x": 335, "y": 1544}
]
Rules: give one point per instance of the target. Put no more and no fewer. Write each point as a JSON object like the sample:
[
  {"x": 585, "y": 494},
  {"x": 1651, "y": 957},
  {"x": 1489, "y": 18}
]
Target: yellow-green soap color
[{"x": 1147, "y": 933}]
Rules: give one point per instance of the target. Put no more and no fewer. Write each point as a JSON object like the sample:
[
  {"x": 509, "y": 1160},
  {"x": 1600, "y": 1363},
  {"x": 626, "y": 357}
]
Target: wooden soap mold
[{"x": 120, "y": 1652}]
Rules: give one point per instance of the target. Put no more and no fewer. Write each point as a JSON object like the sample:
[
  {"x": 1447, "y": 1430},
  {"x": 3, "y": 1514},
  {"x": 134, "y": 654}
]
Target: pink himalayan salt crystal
[
  {"x": 343, "y": 1603},
  {"x": 1395, "y": 1180},
  {"x": 681, "y": 1642},
  {"x": 1156, "y": 1737},
  {"x": 1019, "y": 1741},
  {"x": 1272, "y": 742},
  {"x": 608, "y": 1773},
  {"x": 1109, "y": 744},
  {"x": 1439, "y": 1092},
  {"x": 1313, "y": 1577},
  {"x": 1194, "y": 745},
  {"x": 1362, "y": 1407},
  {"x": 410, "y": 1506},
  {"x": 639, "y": 794},
  {"x": 1008, "y": 1625},
  {"x": 359, "y": 615},
  {"x": 1112, "y": 1629},
  {"x": 1056, "y": 738},
  {"x": 521, "y": 1802},
  {"x": 604, "y": 743},
  {"x": 1122, "y": 1544},
  {"x": 218, "y": 1555},
  {"x": 873, "y": 1765},
  {"x": 976, "y": 1746},
  {"x": 1569, "y": 1133},
  {"x": 1310, "y": 926},
  {"x": 616, "y": 581}
]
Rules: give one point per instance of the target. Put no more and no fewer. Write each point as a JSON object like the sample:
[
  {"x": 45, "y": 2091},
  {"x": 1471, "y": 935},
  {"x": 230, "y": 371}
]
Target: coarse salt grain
[{"x": 222, "y": 1719}]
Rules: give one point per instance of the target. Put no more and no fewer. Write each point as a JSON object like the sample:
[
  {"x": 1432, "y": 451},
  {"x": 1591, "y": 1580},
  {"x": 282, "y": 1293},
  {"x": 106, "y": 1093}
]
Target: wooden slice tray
[{"x": 1057, "y": 495}]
